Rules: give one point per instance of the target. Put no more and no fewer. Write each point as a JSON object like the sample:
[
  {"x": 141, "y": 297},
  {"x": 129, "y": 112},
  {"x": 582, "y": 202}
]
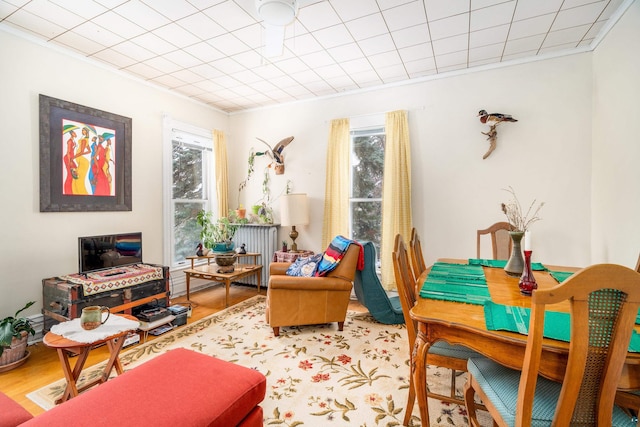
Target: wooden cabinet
[{"x": 64, "y": 300}]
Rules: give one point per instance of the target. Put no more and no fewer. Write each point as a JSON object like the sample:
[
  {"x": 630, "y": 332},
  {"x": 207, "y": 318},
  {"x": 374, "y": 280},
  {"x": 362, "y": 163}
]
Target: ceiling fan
[{"x": 276, "y": 14}]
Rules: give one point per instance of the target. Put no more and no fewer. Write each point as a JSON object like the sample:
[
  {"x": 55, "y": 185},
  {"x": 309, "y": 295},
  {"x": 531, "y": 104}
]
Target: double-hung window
[
  {"x": 191, "y": 186},
  {"x": 367, "y": 173}
]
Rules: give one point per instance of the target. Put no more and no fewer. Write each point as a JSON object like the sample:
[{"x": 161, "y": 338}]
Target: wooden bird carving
[
  {"x": 276, "y": 153},
  {"x": 493, "y": 120}
]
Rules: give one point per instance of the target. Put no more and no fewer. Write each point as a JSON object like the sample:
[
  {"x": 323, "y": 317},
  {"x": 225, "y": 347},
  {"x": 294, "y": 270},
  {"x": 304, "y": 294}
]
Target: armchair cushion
[{"x": 304, "y": 266}]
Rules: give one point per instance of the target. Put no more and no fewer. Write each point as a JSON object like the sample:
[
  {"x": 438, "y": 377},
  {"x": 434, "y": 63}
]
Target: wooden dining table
[{"x": 464, "y": 324}]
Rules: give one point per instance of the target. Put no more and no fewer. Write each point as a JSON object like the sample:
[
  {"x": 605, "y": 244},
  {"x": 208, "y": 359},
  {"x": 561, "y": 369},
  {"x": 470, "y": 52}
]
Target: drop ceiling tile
[
  {"x": 341, "y": 81},
  {"x": 144, "y": 71},
  {"x": 292, "y": 65},
  {"x": 229, "y": 15},
  {"x": 438, "y": 9},
  {"x": 283, "y": 82},
  {"x": 53, "y": 13},
  {"x": 411, "y": 36},
  {"x": 206, "y": 71},
  {"x": 77, "y": 42},
  {"x": 139, "y": 13},
  {"x": 577, "y": 16},
  {"x": 569, "y": 35},
  {"x": 110, "y": 4},
  {"x": 303, "y": 44},
  {"x": 525, "y": 44},
  {"x": 367, "y": 27},
  {"x": 114, "y": 58},
  {"x": 6, "y": 9},
  {"x": 228, "y": 65},
  {"x": 204, "y": 52},
  {"x": 346, "y": 52},
  {"x": 176, "y": 35},
  {"x": 366, "y": 78},
  {"x": 269, "y": 72},
  {"x": 449, "y": 68},
  {"x": 483, "y": 62},
  {"x": 479, "y": 4},
  {"x": 248, "y": 77},
  {"x": 557, "y": 48},
  {"x": 331, "y": 72},
  {"x": 201, "y": 26},
  {"x": 251, "y": 36},
  {"x": 530, "y": 9},
  {"x": 585, "y": 43},
  {"x": 531, "y": 26},
  {"x": 207, "y": 86},
  {"x": 520, "y": 55},
  {"x": 489, "y": 36},
  {"x": 162, "y": 64},
  {"x": 188, "y": 90},
  {"x": 353, "y": 9},
  {"x": 451, "y": 59},
  {"x": 35, "y": 24},
  {"x": 417, "y": 52},
  {"x": 153, "y": 43},
  {"x": 486, "y": 52},
  {"x": 423, "y": 73},
  {"x": 386, "y": 59},
  {"x": 318, "y": 16},
  {"x": 183, "y": 58},
  {"x": 595, "y": 29},
  {"x": 320, "y": 87},
  {"x": 174, "y": 9},
  {"x": 356, "y": 66},
  {"x": 405, "y": 16},
  {"x": 263, "y": 86},
  {"x": 227, "y": 82},
  {"x": 611, "y": 8},
  {"x": 85, "y": 9},
  {"x": 125, "y": 28},
  {"x": 317, "y": 59},
  {"x": 389, "y": 4},
  {"x": 451, "y": 44},
  {"x": 492, "y": 16},
  {"x": 98, "y": 33},
  {"x": 449, "y": 27},
  {"x": 168, "y": 81},
  {"x": 378, "y": 44},
  {"x": 333, "y": 36},
  {"x": 392, "y": 73},
  {"x": 298, "y": 91},
  {"x": 249, "y": 59},
  {"x": 228, "y": 44},
  {"x": 420, "y": 66}
]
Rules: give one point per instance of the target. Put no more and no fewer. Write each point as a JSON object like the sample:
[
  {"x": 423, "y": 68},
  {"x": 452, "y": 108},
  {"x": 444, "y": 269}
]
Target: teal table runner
[
  {"x": 516, "y": 319},
  {"x": 456, "y": 282},
  {"x": 561, "y": 276},
  {"x": 500, "y": 263}
]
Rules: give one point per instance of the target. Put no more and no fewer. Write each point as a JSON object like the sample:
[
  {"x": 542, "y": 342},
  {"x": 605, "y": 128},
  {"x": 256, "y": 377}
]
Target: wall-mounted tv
[{"x": 109, "y": 250}]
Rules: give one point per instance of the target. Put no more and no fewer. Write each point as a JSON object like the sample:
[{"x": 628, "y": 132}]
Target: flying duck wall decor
[
  {"x": 275, "y": 153},
  {"x": 493, "y": 120}
]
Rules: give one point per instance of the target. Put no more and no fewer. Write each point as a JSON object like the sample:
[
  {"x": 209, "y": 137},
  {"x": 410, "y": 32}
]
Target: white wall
[
  {"x": 545, "y": 155},
  {"x": 37, "y": 245},
  {"x": 616, "y": 146}
]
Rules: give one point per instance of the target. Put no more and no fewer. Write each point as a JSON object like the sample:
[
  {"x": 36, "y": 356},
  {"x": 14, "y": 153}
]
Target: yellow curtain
[
  {"x": 222, "y": 175},
  {"x": 336, "y": 197},
  {"x": 396, "y": 191}
]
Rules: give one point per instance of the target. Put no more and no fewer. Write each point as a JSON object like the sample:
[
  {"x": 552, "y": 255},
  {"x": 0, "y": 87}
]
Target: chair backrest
[
  {"x": 604, "y": 301},
  {"x": 501, "y": 243},
  {"x": 406, "y": 285},
  {"x": 346, "y": 268},
  {"x": 417, "y": 259}
]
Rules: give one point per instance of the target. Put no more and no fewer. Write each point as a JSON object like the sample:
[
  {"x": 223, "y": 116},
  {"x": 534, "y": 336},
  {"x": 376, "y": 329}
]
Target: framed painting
[{"x": 85, "y": 158}]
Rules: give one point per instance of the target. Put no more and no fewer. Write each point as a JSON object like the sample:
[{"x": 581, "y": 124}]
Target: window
[
  {"x": 367, "y": 172},
  {"x": 191, "y": 190}
]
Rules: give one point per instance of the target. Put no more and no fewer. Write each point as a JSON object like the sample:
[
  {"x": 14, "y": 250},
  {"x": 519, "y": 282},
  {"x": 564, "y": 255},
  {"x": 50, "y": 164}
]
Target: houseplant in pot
[
  {"x": 14, "y": 331},
  {"x": 217, "y": 234}
]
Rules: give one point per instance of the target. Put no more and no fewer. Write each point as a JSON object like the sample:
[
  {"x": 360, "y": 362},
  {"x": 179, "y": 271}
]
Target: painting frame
[{"x": 53, "y": 113}]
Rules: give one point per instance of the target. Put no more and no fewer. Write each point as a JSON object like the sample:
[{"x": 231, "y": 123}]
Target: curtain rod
[{"x": 422, "y": 107}]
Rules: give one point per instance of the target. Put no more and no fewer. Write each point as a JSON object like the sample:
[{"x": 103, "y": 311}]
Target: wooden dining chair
[
  {"x": 442, "y": 354},
  {"x": 501, "y": 243},
  {"x": 604, "y": 301},
  {"x": 417, "y": 259}
]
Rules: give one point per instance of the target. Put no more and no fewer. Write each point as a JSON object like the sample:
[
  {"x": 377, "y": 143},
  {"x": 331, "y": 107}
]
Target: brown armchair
[{"x": 294, "y": 301}]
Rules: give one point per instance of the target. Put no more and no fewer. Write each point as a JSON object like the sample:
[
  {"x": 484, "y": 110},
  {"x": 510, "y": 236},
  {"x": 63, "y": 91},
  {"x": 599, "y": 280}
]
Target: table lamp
[{"x": 294, "y": 210}]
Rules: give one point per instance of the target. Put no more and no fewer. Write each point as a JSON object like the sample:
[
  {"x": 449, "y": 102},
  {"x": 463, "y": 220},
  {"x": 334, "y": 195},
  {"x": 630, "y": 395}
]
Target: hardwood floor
[{"x": 43, "y": 366}]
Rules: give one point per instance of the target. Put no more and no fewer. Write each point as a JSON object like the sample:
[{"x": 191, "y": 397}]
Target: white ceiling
[{"x": 211, "y": 50}]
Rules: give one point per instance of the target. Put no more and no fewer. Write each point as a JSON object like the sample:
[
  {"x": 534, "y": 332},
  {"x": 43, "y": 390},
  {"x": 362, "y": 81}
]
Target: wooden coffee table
[
  {"x": 66, "y": 346},
  {"x": 210, "y": 272}
]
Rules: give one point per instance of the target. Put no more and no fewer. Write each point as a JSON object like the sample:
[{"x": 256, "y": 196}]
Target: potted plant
[
  {"x": 14, "y": 331},
  {"x": 216, "y": 235}
]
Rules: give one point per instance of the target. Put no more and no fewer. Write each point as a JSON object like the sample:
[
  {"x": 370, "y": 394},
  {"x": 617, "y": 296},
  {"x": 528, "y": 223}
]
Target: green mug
[{"x": 91, "y": 317}]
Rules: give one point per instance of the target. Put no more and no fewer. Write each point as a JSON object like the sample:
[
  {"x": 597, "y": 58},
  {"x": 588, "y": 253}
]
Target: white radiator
[{"x": 258, "y": 238}]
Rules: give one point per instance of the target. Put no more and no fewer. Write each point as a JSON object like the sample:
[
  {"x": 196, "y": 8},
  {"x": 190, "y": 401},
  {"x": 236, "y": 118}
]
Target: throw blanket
[{"x": 334, "y": 253}]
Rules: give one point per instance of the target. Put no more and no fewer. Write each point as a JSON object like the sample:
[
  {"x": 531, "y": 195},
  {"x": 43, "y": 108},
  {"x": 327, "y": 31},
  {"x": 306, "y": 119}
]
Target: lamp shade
[{"x": 294, "y": 209}]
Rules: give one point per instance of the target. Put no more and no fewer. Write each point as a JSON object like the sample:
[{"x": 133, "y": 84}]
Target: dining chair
[
  {"x": 441, "y": 354},
  {"x": 500, "y": 240},
  {"x": 417, "y": 259},
  {"x": 604, "y": 301}
]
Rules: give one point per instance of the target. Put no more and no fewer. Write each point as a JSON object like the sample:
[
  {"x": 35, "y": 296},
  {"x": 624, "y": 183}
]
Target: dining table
[{"x": 456, "y": 322}]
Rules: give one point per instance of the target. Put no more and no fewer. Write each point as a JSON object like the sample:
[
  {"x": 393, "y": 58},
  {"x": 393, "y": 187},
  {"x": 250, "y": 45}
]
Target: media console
[{"x": 64, "y": 297}]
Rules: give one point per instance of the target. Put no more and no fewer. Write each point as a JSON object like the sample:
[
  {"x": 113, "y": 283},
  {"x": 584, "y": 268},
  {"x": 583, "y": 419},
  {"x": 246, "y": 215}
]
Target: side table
[
  {"x": 281, "y": 256},
  {"x": 64, "y": 346}
]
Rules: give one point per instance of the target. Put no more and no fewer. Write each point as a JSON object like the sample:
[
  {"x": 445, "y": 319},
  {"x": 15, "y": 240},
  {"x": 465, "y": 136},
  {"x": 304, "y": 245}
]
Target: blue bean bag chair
[{"x": 372, "y": 295}]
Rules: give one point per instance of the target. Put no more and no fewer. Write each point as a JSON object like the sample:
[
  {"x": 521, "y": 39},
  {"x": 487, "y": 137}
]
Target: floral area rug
[{"x": 316, "y": 375}]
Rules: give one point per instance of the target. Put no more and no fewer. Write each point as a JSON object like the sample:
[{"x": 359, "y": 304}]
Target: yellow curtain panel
[{"x": 222, "y": 175}]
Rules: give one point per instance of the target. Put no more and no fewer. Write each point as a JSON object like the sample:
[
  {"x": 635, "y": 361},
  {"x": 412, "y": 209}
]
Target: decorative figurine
[{"x": 493, "y": 120}]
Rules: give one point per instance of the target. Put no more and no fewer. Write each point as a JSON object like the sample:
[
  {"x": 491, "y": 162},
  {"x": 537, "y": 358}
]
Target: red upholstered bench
[{"x": 178, "y": 388}]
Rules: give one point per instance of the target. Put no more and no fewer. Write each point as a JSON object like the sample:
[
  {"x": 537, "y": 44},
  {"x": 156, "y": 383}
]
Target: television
[{"x": 108, "y": 251}]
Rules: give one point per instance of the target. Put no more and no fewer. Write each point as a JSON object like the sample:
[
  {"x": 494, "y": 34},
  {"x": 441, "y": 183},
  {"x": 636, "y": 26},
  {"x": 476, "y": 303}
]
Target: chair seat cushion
[{"x": 500, "y": 384}]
